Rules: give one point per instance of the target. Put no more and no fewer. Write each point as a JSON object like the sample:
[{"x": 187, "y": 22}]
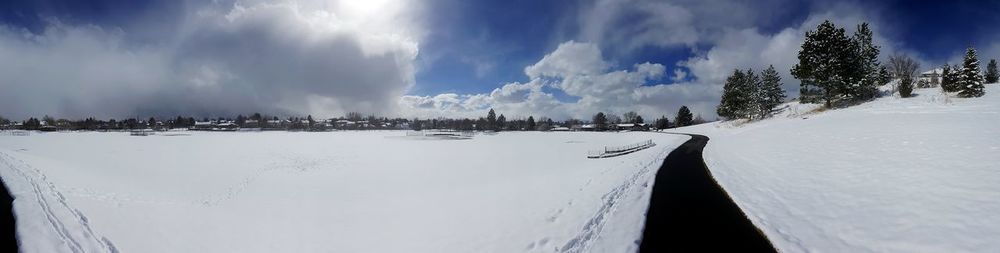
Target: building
[
  {"x": 931, "y": 77},
  {"x": 585, "y": 127},
  {"x": 631, "y": 126}
]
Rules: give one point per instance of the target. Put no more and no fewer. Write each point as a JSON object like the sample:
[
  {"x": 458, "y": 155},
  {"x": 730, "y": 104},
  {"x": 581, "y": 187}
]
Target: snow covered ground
[
  {"x": 918, "y": 174},
  {"x": 328, "y": 192}
]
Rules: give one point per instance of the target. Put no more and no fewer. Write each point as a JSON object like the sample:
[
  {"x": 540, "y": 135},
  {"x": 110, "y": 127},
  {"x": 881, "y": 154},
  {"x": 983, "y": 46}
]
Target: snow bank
[
  {"x": 329, "y": 192},
  {"x": 918, "y": 174}
]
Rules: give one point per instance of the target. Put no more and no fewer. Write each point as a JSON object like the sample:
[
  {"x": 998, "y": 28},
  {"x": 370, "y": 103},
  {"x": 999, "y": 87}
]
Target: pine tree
[
  {"x": 662, "y": 123},
  {"x": 992, "y": 74},
  {"x": 751, "y": 92},
  {"x": 639, "y": 120},
  {"x": 730, "y": 105},
  {"x": 684, "y": 117},
  {"x": 946, "y": 78},
  {"x": 949, "y": 83},
  {"x": 883, "y": 76},
  {"x": 905, "y": 86},
  {"x": 491, "y": 120},
  {"x": 531, "y": 123},
  {"x": 826, "y": 64},
  {"x": 866, "y": 66},
  {"x": 771, "y": 93},
  {"x": 970, "y": 83},
  {"x": 501, "y": 123}
]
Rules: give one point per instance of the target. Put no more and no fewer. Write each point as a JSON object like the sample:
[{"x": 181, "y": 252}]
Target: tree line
[{"x": 836, "y": 69}]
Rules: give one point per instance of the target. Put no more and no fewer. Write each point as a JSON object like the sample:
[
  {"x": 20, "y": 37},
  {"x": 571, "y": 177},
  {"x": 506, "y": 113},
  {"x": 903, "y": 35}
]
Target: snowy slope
[
  {"x": 328, "y": 192},
  {"x": 918, "y": 174}
]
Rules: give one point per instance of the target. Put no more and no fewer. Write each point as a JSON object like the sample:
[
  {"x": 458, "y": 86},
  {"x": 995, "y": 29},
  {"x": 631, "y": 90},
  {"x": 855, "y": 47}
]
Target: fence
[
  {"x": 612, "y": 151},
  {"x": 14, "y": 133}
]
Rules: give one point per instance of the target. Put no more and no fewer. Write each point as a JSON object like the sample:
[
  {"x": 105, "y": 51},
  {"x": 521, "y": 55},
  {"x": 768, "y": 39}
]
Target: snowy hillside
[
  {"x": 328, "y": 192},
  {"x": 918, "y": 174}
]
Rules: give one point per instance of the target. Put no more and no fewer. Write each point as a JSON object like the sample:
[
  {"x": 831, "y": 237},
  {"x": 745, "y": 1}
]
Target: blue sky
[{"x": 433, "y": 58}]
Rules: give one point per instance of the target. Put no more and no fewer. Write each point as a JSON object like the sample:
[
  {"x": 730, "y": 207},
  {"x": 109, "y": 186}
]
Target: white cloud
[{"x": 581, "y": 70}]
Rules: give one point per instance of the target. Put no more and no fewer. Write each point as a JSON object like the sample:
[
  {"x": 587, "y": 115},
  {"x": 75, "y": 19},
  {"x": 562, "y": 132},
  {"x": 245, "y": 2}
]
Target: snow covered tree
[
  {"x": 771, "y": 94},
  {"x": 949, "y": 78},
  {"x": 970, "y": 83},
  {"x": 992, "y": 74},
  {"x": 600, "y": 121},
  {"x": 753, "y": 90},
  {"x": 906, "y": 86},
  {"x": 684, "y": 117},
  {"x": 864, "y": 77},
  {"x": 825, "y": 64},
  {"x": 531, "y": 124},
  {"x": 884, "y": 77}
]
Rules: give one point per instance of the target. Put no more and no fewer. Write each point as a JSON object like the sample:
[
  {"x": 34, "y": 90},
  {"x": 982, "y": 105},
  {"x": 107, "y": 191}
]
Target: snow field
[
  {"x": 893, "y": 175},
  {"x": 340, "y": 192}
]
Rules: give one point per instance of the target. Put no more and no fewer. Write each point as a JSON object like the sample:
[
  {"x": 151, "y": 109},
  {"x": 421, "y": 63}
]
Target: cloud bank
[{"x": 224, "y": 58}]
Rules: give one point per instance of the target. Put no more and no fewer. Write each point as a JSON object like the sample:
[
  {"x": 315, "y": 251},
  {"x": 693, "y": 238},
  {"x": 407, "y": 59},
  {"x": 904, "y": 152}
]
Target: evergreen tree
[
  {"x": 684, "y": 117},
  {"x": 662, "y": 123},
  {"x": 905, "y": 86},
  {"x": 491, "y": 120},
  {"x": 883, "y": 76},
  {"x": 600, "y": 120},
  {"x": 751, "y": 94},
  {"x": 992, "y": 74},
  {"x": 866, "y": 65},
  {"x": 639, "y": 120},
  {"x": 531, "y": 123},
  {"x": 731, "y": 104},
  {"x": 946, "y": 82},
  {"x": 825, "y": 64},
  {"x": 501, "y": 123},
  {"x": 950, "y": 79},
  {"x": 956, "y": 75},
  {"x": 970, "y": 83},
  {"x": 771, "y": 93}
]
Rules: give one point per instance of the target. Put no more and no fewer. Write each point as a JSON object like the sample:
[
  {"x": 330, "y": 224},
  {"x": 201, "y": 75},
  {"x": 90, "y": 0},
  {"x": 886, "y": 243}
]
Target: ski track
[
  {"x": 46, "y": 194},
  {"x": 592, "y": 229}
]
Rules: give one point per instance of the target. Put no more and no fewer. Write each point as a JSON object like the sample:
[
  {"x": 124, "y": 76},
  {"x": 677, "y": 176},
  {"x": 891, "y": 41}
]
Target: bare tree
[
  {"x": 630, "y": 117},
  {"x": 902, "y": 65}
]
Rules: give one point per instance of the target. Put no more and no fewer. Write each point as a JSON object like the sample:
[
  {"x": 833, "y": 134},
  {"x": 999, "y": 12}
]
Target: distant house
[
  {"x": 585, "y": 127},
  {"x": 932, "y": 77},
  {"x": 559, "y": 129},
  {"x": 251, "y": 123},
  {"x": 345, "y": 124},
  {"x": 632, "y": 126},
  {"x": 226, "y": 126},
  {"x": 202, "y": 126}
]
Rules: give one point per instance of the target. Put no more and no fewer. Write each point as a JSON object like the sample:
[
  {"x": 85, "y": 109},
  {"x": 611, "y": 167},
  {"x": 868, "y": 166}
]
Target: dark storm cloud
[{"x": 218, "y": 59}]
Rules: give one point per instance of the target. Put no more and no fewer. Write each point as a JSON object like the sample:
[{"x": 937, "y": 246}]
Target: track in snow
[
  {"x": 690, "y": 212},
  {"x": 75, "y": 234}
]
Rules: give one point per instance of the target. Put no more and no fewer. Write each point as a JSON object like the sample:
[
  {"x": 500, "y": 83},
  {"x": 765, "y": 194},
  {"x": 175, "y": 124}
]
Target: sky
[{"x": 433, "y": 58}]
